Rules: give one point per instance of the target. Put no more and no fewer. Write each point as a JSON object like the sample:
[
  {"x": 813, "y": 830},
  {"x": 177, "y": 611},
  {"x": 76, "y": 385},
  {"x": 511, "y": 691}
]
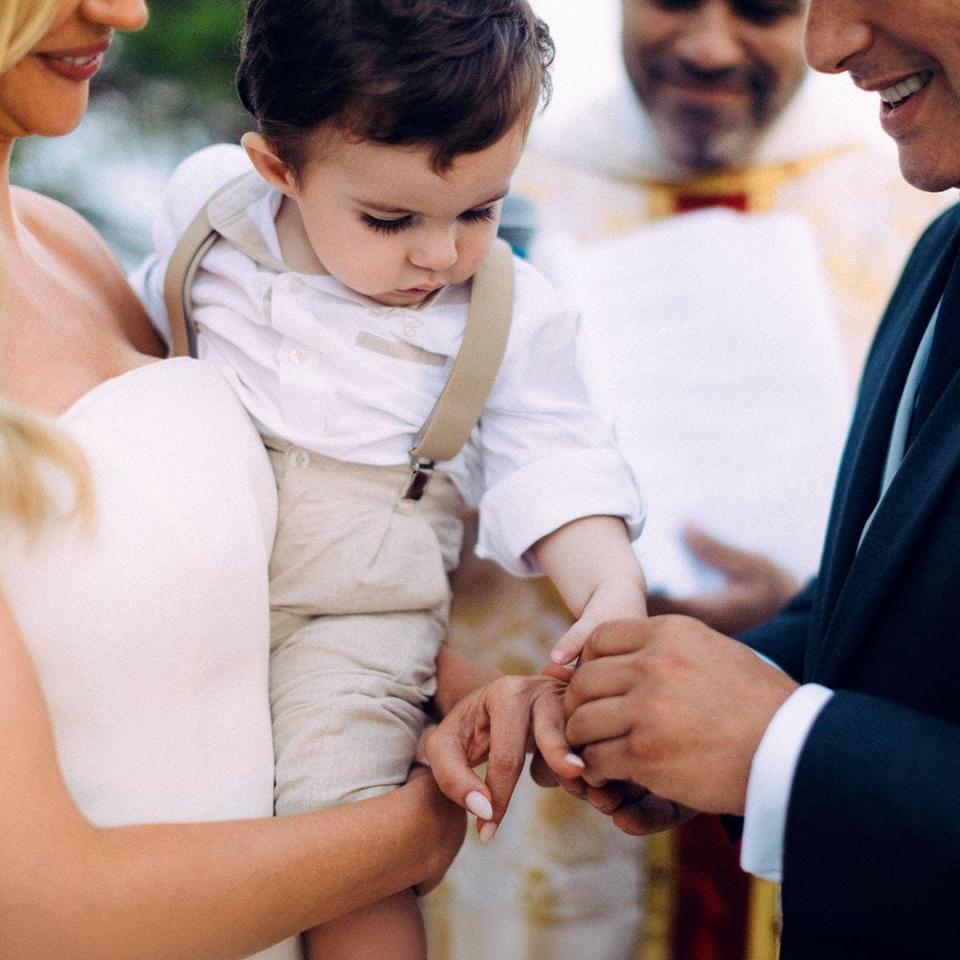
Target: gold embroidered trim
[{"x": 758, "y": 184}]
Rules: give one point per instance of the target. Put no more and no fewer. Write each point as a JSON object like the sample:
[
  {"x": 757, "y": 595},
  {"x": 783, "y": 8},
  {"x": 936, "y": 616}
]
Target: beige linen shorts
[{"x": 359, "y": 597}]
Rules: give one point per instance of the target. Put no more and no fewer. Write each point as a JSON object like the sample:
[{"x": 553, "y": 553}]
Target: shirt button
[
  {"x": 300, "y": 459},
  {"x": 295, "y": 285},
  {"x": 297, "y": 355}
]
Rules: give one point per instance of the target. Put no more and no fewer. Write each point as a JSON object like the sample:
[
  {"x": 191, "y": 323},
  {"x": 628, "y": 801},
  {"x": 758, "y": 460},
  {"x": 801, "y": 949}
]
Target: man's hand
[
  {"x": 669, "y": 703},
  {"x": 633, "y": 809},
  {"x": 755, "y": 589}
]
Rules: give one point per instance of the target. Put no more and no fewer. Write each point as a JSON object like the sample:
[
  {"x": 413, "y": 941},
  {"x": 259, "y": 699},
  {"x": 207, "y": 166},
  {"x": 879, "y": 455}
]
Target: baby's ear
[{"x": 268, "y": 164}]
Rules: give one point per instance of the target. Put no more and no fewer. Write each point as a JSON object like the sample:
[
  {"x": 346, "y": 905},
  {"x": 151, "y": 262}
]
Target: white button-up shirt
[{"x": 335, "y": 372}]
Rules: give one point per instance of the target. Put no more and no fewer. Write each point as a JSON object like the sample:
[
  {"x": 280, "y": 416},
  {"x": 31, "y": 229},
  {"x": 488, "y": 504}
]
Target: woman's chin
[
  {"x": 61, "y": 130},
  {"x": 58, "y": 126}
]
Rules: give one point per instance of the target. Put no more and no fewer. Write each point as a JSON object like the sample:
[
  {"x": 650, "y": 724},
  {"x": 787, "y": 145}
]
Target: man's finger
[
  {"x": 610, "y": 796},
  {"x": 540, "y": 770},
  {"x": 650, "y": 814},
  {"x": 597, "y": 720},
  {"x": 610, "y": 676},
  {"x": 610, "y": 760},
  {"x": 614, "y": 637}
]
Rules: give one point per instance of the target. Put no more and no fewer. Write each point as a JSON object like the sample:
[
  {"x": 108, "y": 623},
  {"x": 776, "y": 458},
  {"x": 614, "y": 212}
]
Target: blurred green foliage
[
  {"x": 181, "y": 67},
  {"x": 197, "y": 43}
]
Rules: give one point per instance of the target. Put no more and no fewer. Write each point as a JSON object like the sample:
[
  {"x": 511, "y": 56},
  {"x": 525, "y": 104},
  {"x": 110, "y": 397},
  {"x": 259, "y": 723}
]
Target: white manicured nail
[
  {"x": 575, "y": 760},
  {"x": 488, "y": 831},
  {"x": 478, "y": 805}
]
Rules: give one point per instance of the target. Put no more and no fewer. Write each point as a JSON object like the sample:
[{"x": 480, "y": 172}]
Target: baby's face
[{"x": 386, "y": 225}]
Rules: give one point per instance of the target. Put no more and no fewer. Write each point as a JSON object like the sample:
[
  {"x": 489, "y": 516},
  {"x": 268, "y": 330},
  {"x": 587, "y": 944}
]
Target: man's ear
[{"x": 268, "y": 164}]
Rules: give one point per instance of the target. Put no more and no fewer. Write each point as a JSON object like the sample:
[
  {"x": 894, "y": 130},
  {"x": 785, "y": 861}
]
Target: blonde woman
[{"x": 137, "y": 512}]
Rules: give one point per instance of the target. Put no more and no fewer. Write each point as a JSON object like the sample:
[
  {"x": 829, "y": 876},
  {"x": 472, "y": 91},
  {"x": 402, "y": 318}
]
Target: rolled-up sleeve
[{"x": 547, "y": 456}]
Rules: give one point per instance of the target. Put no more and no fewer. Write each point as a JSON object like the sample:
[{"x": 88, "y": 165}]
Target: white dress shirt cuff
[{"x": 771, "y": 780}]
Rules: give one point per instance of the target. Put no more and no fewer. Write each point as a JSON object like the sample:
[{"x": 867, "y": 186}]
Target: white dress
[{"x": 150, "y": 633}]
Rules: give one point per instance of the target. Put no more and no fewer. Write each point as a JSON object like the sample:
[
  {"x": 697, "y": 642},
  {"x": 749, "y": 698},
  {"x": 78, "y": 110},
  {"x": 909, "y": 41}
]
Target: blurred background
[{"x": 168, "y": 91}]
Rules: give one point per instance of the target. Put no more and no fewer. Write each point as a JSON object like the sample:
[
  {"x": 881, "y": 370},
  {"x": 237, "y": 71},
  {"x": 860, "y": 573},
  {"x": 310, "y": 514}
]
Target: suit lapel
[
  {"x": 854, "y": 580},
  {"x": 929, "y": 467}
]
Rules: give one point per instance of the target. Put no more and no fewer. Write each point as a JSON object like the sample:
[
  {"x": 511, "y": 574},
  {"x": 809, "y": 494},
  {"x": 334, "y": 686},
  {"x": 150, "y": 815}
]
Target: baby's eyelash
[
  {"x": 386, "y": 226},
  {"x": 481, "y": 215}
]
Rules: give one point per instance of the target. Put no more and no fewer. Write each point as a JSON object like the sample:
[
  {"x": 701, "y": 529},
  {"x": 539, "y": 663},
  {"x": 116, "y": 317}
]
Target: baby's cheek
[{"x": 468, "y": 266}]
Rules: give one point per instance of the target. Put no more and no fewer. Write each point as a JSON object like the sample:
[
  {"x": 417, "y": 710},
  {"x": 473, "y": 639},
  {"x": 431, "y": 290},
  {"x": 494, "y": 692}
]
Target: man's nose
[
  {"x": 710, "y": 38},
  {"x": 835, "y": 31}
]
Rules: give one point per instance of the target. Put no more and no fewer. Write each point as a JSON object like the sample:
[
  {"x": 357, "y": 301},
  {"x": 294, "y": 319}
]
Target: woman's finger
[
  {"x": 509, "y": 708},
  {"x": 448, "y": 756},
  {"x": 549, "y": 734}
]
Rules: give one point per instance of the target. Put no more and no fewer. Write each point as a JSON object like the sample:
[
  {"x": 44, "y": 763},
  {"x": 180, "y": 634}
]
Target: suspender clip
[{"x": 421, "y": 472}]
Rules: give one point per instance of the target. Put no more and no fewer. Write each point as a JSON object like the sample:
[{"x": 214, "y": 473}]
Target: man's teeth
[{"x": 900, "y": 91}]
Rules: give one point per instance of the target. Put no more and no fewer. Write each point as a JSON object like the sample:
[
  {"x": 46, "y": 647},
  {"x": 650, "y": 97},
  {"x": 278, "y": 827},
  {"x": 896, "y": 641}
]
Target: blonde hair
[
  {"x": 28, "y": 445},
  {"x": 22, "y": 24}
]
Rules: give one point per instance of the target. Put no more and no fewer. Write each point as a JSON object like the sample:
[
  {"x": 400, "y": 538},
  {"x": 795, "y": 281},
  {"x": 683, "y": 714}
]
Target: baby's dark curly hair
[{"x": 454, "y": 75}]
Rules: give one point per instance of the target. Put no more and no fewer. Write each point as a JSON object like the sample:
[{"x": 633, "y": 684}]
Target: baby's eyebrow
[
  {"x": 379, "y": 207},
  {"x": 382, "y": 208},
  {"x": 490, "y": 200}
]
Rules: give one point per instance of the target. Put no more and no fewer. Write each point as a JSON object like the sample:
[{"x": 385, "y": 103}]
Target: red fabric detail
[
  {"x": 713, "y": 894},
  {"x": 685, "y": 202}
]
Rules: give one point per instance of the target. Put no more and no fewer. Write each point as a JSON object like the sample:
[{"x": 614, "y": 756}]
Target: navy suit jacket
[{"x": 872, "y": 849}]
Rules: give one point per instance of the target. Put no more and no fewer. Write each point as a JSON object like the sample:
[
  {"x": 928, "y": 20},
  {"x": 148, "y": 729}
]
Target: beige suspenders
[{"x": 474, "y": 370}]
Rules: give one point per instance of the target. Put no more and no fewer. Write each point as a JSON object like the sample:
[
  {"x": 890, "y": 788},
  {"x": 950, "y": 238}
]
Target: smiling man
[
  {"x": 844, "y": 761},
  {"x": 716, "y": 112},
  {"x": 712, "y": 76}
]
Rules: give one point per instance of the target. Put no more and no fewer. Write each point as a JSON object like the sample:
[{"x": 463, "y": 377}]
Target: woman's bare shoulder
[
  {"x": 73, "y": 242},
  {"x": 59, "y": 227}
]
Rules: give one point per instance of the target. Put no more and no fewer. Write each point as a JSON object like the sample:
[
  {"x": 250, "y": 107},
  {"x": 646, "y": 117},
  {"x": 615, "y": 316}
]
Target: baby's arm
[{"x": 593, "y": 567}]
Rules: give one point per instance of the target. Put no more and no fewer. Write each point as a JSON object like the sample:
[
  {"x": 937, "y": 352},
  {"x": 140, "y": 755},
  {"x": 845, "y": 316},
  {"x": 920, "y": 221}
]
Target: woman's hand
[
  {"x": 449, "y": 836},
  {"x": 499, "y": 723}
]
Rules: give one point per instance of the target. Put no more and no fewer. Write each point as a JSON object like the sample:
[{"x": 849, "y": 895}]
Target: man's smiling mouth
[{"x": 896, "y": 95}]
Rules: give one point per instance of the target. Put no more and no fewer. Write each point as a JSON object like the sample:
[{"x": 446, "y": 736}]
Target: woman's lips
[{"x": 80, "y": 64}]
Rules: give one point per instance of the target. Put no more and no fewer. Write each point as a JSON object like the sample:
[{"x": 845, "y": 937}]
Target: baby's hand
[{"x": 614, "y": 598}]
